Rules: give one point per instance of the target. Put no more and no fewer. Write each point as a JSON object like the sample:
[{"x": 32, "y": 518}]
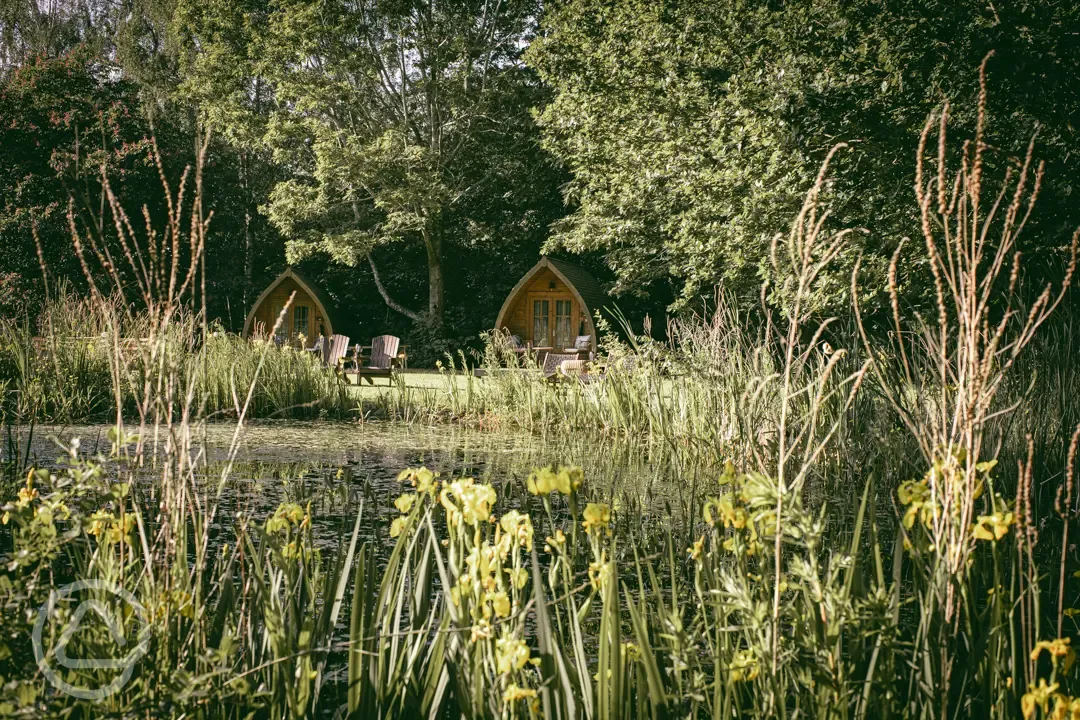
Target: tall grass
[
  {"x": 60, "y": 370},
  {"x": 289, "y": 384}
]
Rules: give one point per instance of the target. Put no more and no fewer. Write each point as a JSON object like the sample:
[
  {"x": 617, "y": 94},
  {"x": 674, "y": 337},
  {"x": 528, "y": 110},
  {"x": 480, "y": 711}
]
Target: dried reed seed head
[
  {"x": 942, "y": 134},
  {"x": 1020, "y": 495},
  {"x": 980, "y": 125},
  {"x": 1028, "y": 477}
]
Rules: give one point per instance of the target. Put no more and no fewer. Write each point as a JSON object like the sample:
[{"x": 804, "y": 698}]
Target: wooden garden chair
[
  {"x": 382, "y": 356},
  {"x": 582, "y": 347},
  {"x": 333, "y": 352}
]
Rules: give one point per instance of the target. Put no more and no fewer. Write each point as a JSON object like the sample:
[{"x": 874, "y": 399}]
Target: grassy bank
[{"x": 84, "y": 358}]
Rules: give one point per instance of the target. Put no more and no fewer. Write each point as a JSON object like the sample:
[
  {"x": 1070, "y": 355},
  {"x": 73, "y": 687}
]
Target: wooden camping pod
[
  {"x": 310, "y": 315},
  {"x": 552, "y": 305}
]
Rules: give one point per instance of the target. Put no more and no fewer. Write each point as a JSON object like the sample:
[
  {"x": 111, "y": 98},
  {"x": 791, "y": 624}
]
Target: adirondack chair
[
  {"x": 379, "y": 361},
  {"x": 333, "y": 352}
]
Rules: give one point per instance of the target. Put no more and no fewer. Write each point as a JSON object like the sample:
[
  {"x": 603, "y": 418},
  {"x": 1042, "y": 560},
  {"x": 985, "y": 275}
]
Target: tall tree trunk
[
  {"x": 249, "y": 250},
  {"x": 435, "y": 276}
]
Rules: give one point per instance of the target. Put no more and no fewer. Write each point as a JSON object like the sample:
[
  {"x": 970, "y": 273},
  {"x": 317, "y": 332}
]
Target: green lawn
[{"x": 420, "y": 379}]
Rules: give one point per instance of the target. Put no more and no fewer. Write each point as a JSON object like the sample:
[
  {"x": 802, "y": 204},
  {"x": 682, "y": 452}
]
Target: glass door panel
[
  {"x": 540, "y": 323},
  {"x": 563, "y": 317},
  {"x": 301, "y": 321}
]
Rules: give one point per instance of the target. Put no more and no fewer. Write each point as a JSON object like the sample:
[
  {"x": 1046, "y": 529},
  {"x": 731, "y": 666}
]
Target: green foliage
[
  {"x": 288, "y": 383},
  {"x": 64, "y": 121},
  {"x": 398, "y": 122},
  {"x": 688, "y": 132},
  {"x": 60, "y": 124},
  {"x": 692, "y": 129},
  {"x": 29, "y": 31},
  {"x": 259, "y": 645},
  {"x": 560, "y": 610},
  {"x": 60, "y": 374},
  {"x": 61, "y": 370}
]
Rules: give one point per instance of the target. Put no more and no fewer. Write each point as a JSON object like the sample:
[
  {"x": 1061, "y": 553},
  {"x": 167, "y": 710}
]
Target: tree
[
  {"x": 30, "y": 29},
  {"x": 374, "y": 107},
  {"x": 60, "y": 121},
  {"x": 692, "y": 129}
]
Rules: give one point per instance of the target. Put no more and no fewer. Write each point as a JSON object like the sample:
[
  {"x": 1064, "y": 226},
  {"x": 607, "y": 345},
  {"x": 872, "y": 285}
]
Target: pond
[{"x": 334, "y": 465}]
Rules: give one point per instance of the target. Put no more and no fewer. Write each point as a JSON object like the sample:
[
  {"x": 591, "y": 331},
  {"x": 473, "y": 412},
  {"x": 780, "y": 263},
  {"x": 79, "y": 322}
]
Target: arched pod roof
[
  {"x": 586, "y": 290},
  {"x": 318, "y": 295}
]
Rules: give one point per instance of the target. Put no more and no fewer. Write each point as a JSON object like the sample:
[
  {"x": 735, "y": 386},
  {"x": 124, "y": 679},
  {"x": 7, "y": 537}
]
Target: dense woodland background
[{"x": 417, "y": 156}]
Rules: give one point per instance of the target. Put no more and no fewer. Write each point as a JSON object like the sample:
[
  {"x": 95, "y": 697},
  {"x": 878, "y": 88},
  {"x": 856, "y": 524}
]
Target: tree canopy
[
  {"x": 398, "y": 121},
  {"x": 692, "y": 129}
]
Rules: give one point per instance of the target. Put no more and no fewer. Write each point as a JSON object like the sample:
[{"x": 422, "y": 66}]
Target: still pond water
[{"x": 335, "y": 465}]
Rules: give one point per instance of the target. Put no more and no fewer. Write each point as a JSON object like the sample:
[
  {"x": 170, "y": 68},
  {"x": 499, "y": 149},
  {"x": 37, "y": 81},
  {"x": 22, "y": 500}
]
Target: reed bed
[{"x": 62, "y": 371}]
